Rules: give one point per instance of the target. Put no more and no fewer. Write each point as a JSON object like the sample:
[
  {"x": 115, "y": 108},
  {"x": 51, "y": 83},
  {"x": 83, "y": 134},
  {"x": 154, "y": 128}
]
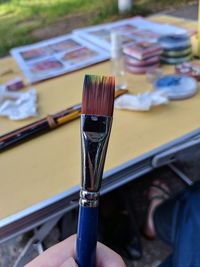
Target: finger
[
  {"x": 108, "y": 258},
  {"x": 69, "y": 263},
  {"x": 56, "y": 255}
]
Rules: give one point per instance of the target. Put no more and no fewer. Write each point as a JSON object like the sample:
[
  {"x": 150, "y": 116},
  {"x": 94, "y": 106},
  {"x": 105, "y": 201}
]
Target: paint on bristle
[{"x": 98, "y": 95}]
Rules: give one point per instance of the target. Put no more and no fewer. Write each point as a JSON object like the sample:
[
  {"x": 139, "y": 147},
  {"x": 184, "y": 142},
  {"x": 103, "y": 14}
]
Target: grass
[{"x": 19, "y": 18}]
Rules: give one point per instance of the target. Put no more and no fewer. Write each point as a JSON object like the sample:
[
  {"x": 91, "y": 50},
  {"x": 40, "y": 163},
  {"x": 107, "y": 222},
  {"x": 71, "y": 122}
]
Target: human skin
[{"x": 63, "y": 255}]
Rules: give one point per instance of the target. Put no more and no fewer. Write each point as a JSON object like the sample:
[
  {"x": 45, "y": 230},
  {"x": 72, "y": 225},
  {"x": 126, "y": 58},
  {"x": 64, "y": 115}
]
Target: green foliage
[{"x": 18, "y": 18}]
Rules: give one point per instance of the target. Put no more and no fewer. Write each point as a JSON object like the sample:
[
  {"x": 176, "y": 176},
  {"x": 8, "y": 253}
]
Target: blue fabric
[
  {"x": 167, "y": 262},
  {"x": 185, "y": 229}
]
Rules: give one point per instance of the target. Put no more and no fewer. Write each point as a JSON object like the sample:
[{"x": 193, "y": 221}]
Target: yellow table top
[{"x": 50, "y": 164}]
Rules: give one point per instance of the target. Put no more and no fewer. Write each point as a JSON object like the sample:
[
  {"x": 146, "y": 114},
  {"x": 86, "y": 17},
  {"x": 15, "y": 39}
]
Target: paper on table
[
  {"x": 141, "y": 102},
  {"x": 18, "y": 105}
]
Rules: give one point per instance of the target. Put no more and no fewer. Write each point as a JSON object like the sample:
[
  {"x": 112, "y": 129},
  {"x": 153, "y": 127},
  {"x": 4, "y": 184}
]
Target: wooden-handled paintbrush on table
[{"x": 44, "y": 125}]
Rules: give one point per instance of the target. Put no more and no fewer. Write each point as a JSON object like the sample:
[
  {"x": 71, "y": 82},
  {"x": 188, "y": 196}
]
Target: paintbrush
[
  {"x": 96, "y": 121},
  {"x": 39, "y": 127},
  {"x": 44, "y": 125}
]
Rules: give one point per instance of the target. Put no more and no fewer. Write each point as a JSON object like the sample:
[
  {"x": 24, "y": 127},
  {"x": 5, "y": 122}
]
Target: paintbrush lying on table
[
  {"x": 39, "y": 127},
  {"x": 44, "y": 125},
  {"x": 96, "y": 121}
]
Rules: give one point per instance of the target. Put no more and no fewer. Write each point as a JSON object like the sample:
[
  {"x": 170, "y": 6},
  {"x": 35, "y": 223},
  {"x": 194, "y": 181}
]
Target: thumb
[{"x": 70, "y": 262}]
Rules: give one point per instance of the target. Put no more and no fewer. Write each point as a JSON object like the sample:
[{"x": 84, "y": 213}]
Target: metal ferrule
[
  {"x": 89, "y": 199},
  {"x": 95, "y": 132}
]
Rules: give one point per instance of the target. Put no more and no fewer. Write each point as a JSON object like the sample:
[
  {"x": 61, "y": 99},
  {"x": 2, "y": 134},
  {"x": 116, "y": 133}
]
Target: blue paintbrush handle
[{"x": 87, "y": 236}]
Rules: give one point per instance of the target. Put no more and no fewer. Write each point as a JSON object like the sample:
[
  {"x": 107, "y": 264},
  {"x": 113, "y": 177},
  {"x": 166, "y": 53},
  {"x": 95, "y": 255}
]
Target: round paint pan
[
  {"x": 140, "y": 70},
  {"x": 174, "y": 41},
  {"x": 175, "y": 60},
  {"x": 177, "y": 86},
  {"x": 142, "y": 63}
]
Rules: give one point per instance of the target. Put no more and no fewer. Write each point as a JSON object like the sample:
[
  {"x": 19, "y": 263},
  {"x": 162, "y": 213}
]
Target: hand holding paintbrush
[{"x": 96, "y": 121}]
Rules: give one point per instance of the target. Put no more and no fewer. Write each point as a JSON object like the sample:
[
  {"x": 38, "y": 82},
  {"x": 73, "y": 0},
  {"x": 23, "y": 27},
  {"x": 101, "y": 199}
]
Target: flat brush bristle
[{"x": 98, "y": 95}]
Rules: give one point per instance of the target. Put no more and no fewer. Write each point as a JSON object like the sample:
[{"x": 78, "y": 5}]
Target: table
[{"x": 40, "y": 178}]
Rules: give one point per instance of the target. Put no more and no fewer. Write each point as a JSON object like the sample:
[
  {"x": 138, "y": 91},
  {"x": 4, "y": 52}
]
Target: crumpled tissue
[
  {"x": 18, "y": 105},
  {"x": 141, "y": 102}
]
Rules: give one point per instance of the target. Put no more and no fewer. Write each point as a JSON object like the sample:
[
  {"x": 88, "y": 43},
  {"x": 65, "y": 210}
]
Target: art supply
[
  {"x": 142, "y": 56},
  {"x": 15, "y": 84},
  {"x": 96, "y": 121},
  {"x": 57, "y": 56},
  {"x": 175, "y": 41},
  {"x": 117, "y": 60},
  {"x": 142, "y": 63},
  {"x": 140, "y": 70},
  {"x": 175, "y": 60},
  {"x": 143, "y": 50},
  {"x": 177, "y": 86},
  {"x": 39, "y": 127},
  {"x": 133, "y": 29},
  {"x": 191, "y": 69},
  {"x": 44, "y": 125},
  {"x": 177, "y": 48},
  {"x": 178, "y": 53}
]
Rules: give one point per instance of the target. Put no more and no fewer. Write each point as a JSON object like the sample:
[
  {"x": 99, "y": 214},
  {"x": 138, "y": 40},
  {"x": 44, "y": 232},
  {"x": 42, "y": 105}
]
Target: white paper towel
[
  {"x": 141, "y": 102},
  {"x": 18, "y": 105}
]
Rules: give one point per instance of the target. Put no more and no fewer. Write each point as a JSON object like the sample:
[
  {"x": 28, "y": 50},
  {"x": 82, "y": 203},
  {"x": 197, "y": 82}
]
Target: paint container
[{"x": 177, "y": 86}]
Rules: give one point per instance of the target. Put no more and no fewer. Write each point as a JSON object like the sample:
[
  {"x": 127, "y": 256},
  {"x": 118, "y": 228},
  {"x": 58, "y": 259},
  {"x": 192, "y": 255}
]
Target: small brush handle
[{"x": 87, "y": 236}]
